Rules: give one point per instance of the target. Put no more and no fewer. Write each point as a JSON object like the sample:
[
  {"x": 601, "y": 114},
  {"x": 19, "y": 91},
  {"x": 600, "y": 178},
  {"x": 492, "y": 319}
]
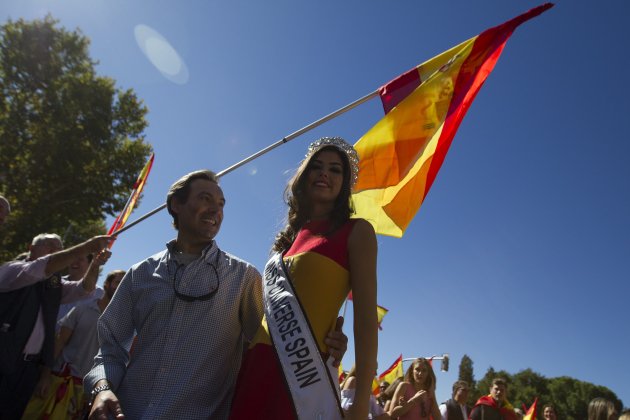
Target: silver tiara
[{"x": 342, "y": 145}]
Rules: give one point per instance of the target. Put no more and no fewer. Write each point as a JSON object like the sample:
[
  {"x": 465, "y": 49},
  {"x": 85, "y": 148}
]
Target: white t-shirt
[{"x": 347, "y": 398}]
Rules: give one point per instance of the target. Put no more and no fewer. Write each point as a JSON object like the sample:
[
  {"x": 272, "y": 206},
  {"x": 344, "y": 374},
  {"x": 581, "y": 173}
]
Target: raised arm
[
  {"x": 60, "y": 260},
  {"x": 91, "y": 276},
  {"x": 362, "y": 251},
  {"x": 400, "y": 406}
]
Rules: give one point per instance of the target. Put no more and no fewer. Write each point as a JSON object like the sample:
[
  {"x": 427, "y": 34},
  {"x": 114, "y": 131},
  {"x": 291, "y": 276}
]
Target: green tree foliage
[
  {"x": 71, "y": 142},
  {"x": 569, "y": 396},
  {"x": 466, "y": 374}
]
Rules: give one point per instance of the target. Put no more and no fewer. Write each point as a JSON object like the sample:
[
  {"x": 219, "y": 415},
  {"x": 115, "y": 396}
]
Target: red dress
[{"x": 318, "y": 266}]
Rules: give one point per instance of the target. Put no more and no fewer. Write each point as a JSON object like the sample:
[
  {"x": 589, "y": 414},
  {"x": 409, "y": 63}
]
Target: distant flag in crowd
[
  {"x": 341, "y": 373},
  {"x": 380, "y": 314},
  {"x": 380, "y": 311},
  {"x": 133, "y": 198},
  {"x": 531, "y": 413},
  {"x": 402, "y": 154},
  {"x": 376, "y": 387},
  {"x": 393, "y": 372}
]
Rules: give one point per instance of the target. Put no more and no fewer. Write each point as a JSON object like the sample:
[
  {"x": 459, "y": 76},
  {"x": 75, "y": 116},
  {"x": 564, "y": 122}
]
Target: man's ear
[{"x": 175, "y": 205}]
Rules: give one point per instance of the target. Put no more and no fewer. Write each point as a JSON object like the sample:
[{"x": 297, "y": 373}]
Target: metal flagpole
[
  {"x": 265, "y": 150},
  {"x": 444, "y": 358}
]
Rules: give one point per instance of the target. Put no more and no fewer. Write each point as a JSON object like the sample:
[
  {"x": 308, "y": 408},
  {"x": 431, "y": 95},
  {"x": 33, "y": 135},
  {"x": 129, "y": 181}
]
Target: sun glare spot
[{"x": 161, "y": 54}]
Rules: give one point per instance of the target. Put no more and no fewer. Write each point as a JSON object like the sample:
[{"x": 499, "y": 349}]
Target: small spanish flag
[
  {"x": 120, "y": 221},
  {"x": 531, "y": 413},
  {"x": 341, "y": 373},
  {"x": 394, "y": 372},
  {"x": 375, "y": 387},
  {"x": 380, "y": 314}
]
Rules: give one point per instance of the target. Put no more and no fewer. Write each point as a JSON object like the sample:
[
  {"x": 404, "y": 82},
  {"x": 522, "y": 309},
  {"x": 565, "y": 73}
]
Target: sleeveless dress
[
  {"x": 318, "y": 267},
  {"x": 422, "y": 411}
]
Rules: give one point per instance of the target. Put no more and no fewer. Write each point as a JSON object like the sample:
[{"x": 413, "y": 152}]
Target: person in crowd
[
  {"x": 414, "y": 398},
  {"x": 387, "y": 395},
  {"x": 494, "y": 406},
  {"x": 5, "y": 209},
  {"x": 549, "y": 412},
  {"x": 601, "y": 409},
  {"x": 30, "y": 294},
  {"x": 456, "y": 408},
  {"x": 190, "y": 307},
  {"x": 77, "y": 341},
  {"x": 76, "y": 345},
  {"x": 348, "y": 388},
  {"x": 625, "y": 415},
  {"x": 316, "y": 260},
  {"x": 380, "y": 397},
  {"x": 85, "y": 265}
]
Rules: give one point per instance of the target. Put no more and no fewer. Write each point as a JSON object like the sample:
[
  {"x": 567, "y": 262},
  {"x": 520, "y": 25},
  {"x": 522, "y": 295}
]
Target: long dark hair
[{"x": 297, "y": 200}]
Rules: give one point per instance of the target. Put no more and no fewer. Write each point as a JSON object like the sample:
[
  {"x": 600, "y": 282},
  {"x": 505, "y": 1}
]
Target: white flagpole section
[{"x": 266, "y": 149}]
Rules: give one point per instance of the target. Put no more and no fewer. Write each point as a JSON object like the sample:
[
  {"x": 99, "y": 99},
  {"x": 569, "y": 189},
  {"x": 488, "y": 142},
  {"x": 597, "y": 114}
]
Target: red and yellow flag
[
  {"x": 341, "y": 373},
  {"x": 403, "y": 152},
  {"x": 531, "y": 413},
  {"x": 133, "y": 198},
  {"x": 380, "y": 314},
  {"x": 375, "y": 387},
  {"x": 380, "y": 311},
  {"x": 395, "y": 371}
]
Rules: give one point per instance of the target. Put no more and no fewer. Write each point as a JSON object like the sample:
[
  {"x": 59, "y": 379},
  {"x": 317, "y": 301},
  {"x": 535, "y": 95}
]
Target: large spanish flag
[{"x": 403, "y": 152}]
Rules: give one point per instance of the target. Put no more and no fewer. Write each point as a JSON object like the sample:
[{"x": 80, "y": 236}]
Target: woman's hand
[{"x": 417, "y": 396}]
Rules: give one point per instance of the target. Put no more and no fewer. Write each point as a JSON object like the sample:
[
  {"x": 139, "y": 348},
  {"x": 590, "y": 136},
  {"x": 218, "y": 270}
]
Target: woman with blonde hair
[
  {"x": 317, "y": 259},
  {"x": 601, "y": 409},
  {"x": 414, "y": 398}
]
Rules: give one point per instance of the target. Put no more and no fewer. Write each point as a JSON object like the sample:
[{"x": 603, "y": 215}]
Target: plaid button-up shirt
[{"x": 188, "y": 354}]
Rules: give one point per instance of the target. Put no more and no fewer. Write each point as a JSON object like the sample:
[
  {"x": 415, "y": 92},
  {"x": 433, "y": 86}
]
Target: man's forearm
[{"x": 62, "y": 259}]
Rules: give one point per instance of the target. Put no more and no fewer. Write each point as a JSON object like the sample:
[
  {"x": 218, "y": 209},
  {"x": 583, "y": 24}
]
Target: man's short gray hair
[{"x": 43, "y": 237}]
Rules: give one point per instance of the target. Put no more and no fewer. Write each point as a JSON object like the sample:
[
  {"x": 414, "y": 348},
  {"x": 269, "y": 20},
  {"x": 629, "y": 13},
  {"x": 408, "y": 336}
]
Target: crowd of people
[
  {"x": 415, "y": 394},
  {"x": 194, "y": 332}
]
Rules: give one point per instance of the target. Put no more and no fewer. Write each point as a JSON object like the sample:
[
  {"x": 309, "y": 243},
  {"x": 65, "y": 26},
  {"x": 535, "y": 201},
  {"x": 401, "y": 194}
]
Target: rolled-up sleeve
[
  {"x": 71, "y": 291},
  {"x": 115, "y": 335},
  {"x": 17, "y": 274}
]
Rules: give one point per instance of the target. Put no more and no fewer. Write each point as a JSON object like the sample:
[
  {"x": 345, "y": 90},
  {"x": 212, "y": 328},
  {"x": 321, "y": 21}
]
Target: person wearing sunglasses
[{"x": 192, "y": 308}]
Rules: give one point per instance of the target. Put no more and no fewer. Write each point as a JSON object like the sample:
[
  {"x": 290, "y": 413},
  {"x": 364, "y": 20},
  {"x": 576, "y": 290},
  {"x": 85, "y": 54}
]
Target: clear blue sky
[{"x": 520, "y": 255}]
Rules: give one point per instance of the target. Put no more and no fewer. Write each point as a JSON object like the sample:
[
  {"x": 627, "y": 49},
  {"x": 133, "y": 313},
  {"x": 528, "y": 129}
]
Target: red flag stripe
[{"x": 470, "y": 79}]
